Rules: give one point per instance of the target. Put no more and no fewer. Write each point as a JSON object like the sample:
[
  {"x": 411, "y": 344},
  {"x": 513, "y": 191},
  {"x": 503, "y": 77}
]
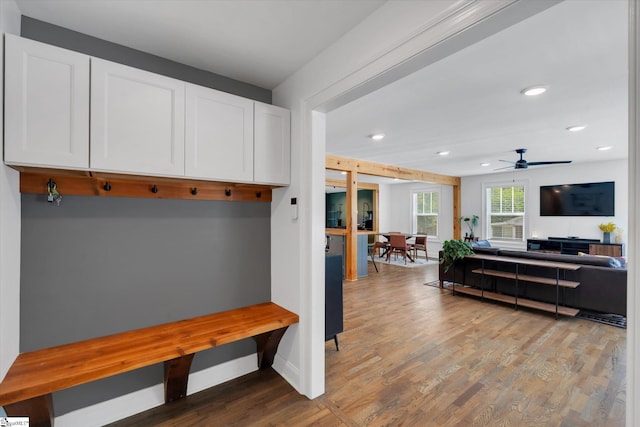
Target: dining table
[{"x": 386, "y": 253}]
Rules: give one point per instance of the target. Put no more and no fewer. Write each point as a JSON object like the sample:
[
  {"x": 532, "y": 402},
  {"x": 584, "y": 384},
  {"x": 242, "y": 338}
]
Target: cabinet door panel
[
  {"x": 47, "y": 105},
  {"x": 137, "y": 120},
  {"x": 272, "y": 144},
  {"x": 219, "y": 135}
]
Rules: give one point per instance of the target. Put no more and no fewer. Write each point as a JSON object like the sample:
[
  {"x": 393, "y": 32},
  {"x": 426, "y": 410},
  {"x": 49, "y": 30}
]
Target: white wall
[
  {"x": 384, "y": 207},
  {"x": 534, "y": 177},
  {"x": 399, "y": 210},
  {"x": 632, "y": 409},
  {"x": 9, "y": 226}
]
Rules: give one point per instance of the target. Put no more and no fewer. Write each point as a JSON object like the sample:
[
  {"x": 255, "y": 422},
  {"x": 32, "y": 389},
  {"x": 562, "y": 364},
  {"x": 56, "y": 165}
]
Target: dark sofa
[{"x": 603, "y": 280}]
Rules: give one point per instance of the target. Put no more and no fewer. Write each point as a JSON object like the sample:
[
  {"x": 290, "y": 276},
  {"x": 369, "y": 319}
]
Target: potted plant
[
  {"x": 471, "y": 222},
  {"x": 607, "y": 229},
  {"x": 453, "y": 250}
]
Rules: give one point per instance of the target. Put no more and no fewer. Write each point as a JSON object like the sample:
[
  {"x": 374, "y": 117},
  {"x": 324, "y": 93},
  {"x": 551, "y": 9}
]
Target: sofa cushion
[
  {"x": 574, "y": 259},
  {"x": 485, "y": 250},
  {"x": 480, "y": 244}
]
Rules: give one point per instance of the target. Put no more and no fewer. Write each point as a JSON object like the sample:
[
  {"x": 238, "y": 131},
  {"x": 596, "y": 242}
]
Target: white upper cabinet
[
  {"x": 67, "y": 110},
  {"x": 219, "y": 135},
  {"x": 46, "y": 105},
  {"x": 272, "y": 149},
  {"x": 137, "y": 120}
]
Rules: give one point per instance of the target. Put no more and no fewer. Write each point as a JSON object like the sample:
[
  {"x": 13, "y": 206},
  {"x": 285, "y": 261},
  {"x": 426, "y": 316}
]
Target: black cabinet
[
  {"x": 333, "y": 312},
  {"x": 560, "y": 245}
]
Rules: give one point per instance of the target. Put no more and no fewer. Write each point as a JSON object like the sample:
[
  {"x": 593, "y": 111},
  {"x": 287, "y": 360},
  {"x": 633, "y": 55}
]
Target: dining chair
[
  {"x": 381, "y": 247},
  {"x": 398, "y": 245},
  {"x": 420, "y": 245}
]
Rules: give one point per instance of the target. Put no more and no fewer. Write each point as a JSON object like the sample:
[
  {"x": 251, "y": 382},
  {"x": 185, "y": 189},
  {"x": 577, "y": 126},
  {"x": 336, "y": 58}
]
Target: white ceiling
[
  {"x": 470, "y": 103},
  {"x": 255, "y": 41}
]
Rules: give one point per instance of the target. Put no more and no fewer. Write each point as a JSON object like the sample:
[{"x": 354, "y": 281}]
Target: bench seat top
[{"x": 40, "y": 372}]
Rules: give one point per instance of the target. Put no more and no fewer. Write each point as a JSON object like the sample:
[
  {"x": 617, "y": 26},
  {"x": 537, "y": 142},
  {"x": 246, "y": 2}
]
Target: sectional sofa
[{"x": 603, "y": 280}]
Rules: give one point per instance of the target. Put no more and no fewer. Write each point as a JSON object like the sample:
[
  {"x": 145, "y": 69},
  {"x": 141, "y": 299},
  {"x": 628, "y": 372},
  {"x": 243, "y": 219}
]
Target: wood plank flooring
[{"x": 414, "y": 355}]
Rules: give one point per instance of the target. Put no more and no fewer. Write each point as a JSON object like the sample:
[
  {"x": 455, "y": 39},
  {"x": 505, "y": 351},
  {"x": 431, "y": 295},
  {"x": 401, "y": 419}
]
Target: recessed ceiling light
[
  {"x": 577, "y": 128},
  {"x": 443, "y": 153},
  {"x": 534, "y": 90},
  {"x": 484, "y": 164},
  {"x": 605, "y": 148},
  {"x": 377, "y": 136}
]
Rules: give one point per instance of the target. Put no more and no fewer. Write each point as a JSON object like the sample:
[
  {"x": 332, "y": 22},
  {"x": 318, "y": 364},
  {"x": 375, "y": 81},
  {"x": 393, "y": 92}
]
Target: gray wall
[
  {"x": 79, "y": 42},
  {"x": 96, "y": 266}
]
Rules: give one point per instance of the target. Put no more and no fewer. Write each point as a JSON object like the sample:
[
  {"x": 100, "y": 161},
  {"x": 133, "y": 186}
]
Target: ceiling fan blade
[
  {"x": 549, "y": 163},
  {"x": 506, "y": 167}
]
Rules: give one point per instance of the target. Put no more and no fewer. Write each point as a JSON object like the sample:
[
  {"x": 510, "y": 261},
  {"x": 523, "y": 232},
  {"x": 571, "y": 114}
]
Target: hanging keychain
[{"x": 53, "y": 193}]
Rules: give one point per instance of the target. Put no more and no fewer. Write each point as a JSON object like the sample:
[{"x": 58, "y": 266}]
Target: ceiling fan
[{"x": 523, "y": 164}]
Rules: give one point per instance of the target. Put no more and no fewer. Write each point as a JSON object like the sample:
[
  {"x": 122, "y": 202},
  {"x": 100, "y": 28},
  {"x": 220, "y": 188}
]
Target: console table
[
  {"x": 567, "y": 246},
  {"x": 516, "y": 300}
]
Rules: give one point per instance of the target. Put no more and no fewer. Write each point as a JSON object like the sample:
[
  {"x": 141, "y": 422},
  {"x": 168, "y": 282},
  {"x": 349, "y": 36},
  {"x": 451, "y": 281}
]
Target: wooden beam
[
  {"x": 369, "y": 168},
  {"x": 456, "y": 211},
  {"x": 377, "y": 169},
  {"x": 343, "y": 184},
  {"x": 113, "y": 185},
  {"x": 351, "y": 238}
]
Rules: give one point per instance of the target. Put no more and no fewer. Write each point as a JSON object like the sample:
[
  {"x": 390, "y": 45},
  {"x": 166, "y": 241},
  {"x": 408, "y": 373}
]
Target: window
[
  {"x": 505, "y": 212},
  {"x": 426, "y": 207}
]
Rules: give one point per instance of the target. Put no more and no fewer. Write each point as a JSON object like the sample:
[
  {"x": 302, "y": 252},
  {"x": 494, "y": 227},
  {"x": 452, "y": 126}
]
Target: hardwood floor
[{"x": 415, "y": 355}]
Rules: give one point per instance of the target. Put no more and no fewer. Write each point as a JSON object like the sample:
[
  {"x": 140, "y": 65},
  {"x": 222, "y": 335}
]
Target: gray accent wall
[
  {"x": 100, "y": 265},
  {"x": 62, "y": 37}
]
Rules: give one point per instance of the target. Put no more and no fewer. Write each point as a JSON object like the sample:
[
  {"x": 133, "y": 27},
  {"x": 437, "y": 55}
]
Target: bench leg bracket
[
  {"x": 268, "y": 346},
  {"x": 176, "y": 376},
  {"x": 39, "y": 410}
]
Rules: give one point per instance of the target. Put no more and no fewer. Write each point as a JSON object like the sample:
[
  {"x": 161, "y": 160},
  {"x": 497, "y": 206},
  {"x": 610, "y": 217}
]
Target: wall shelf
[{"x": 81, "y": 183}]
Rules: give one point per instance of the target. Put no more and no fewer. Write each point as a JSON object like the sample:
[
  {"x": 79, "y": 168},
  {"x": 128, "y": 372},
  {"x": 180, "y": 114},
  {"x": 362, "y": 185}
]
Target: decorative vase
[{"x": 606, "y": 237}]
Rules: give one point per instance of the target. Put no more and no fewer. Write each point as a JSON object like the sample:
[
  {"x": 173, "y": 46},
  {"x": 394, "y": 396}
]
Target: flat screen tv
[{"x": 591, "y": 199}]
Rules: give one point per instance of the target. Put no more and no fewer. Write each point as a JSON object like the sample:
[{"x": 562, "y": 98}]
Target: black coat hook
[
  {"x": 227, "y": 192},
  {"x": 259, "y": 194},
  {"x": 194, "y": 191},
  {"x": 154, "y": 189},
  {"x": 107, "y": 186}
]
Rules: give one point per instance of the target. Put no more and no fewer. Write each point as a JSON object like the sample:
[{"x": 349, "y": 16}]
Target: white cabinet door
[
  {"x": 272, "y": 149},
  {"x": 137, "y": 120},
  {"x": 46, "y": 105},
  {"x": 219, "y": 135}
]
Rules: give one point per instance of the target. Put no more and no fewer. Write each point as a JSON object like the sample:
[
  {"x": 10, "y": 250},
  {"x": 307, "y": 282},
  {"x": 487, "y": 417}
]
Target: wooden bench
[{"x": 27, "y": 387}]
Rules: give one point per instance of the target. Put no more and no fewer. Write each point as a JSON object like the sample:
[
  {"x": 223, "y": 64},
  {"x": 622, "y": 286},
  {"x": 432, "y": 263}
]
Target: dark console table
[
  {"x": 571, "y": 246},
  {"x": 516, "y": 299}
]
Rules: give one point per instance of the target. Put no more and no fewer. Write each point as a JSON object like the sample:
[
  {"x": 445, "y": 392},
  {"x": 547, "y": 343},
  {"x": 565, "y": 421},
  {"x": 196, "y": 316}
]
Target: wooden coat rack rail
[{"x": 77, "y": 183}]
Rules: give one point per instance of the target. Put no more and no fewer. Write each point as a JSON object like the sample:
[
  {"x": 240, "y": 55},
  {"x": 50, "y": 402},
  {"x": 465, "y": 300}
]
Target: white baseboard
[
  {"x": 288, "y": 371},
  {"x": 133, "y": 403}
]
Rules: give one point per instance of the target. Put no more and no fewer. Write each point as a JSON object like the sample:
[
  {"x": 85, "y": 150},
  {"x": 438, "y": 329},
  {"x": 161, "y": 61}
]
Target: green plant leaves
[{"x": 453, "y": 250}]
